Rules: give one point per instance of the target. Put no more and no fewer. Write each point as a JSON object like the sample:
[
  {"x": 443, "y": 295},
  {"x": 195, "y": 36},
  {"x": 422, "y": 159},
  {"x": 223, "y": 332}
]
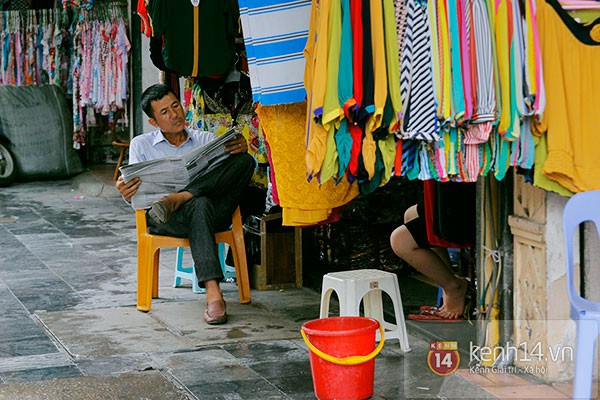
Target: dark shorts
[
  {"x": 418, "y": 229},
  {"x": 453, "y": 219}
]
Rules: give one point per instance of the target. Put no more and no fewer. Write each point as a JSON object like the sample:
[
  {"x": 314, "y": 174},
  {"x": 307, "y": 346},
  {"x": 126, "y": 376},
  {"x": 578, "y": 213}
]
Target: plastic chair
[
  {"x": 586, "y": 314},
  {"x": 353, "y": 286},
  {"x": 188, "y": 273},
  {"x": 149, "y": 251},
  {"x": 124, "y": 146}
]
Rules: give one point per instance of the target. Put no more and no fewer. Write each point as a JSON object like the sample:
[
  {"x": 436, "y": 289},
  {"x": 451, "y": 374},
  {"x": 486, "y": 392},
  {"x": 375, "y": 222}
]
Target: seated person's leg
[
  {"x": 227, "y": 180},
  {"x": 418, "y": 229},
  {"x": 411, "y": 213},
  {"x": 409, "y": 242},
  {"x": 196, "y": 220},
  {"x": 162, "y": 210}
]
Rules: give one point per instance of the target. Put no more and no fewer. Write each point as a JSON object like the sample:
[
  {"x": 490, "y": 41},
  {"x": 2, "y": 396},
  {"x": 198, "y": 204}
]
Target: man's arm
[{"x": 237, "y": 145}]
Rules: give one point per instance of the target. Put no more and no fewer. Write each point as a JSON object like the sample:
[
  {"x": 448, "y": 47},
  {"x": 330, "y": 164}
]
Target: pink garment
[
  {"x": 271, "y": 171},
  {"x": 19, "y": 58},
  {"x": 464, "y": 58},
  {"x": 478, "y": 133}
]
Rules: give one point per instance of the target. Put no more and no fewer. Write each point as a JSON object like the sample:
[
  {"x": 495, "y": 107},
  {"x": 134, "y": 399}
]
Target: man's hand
[
  {"x": 237, "y": 145},
  {"x": 128, "y": 189}
]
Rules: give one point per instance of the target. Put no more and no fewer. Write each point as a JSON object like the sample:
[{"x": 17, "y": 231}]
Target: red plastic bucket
[{"x": 342, "y": 352}]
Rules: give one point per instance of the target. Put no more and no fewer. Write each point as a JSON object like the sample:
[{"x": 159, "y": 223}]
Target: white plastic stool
[
  {"x": 366, "y": 284},
  {"x": 188, "y": 273}
]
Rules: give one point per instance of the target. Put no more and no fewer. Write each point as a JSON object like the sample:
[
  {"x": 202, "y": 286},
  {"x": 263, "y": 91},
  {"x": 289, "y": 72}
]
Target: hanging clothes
[
  {"x": 332, "y": 110},
  {"x": 198, "y": 41},
  {"x": 275, "y": 36},
  {"x": 303, "y": 203},
  {"x": 142, "y": 12},
  {"x": 485, "y": 58},
  {"x": 99, "y": 69},
  {"x": 84, "y": 50},
  {"x": 569, "y": 51},
  {"x": 208, "y": 114},
  {"x": 469, "y": 78},
  {"x": 343, "y": 138},
  {"x": 315, "y": 75},
  {"x": 420, "y": 121}
]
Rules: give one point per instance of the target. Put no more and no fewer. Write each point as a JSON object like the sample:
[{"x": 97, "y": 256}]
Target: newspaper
[{"x": 167, "y": 175}]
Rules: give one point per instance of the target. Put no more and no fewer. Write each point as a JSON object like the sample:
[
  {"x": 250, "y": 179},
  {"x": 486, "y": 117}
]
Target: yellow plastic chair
[{"x": 149, "y": 251}]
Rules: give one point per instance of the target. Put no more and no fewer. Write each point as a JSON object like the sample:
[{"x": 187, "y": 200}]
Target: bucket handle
[{"x": 351, "y": 360}]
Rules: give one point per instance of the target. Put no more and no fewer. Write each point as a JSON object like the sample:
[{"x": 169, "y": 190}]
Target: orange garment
[
  {"x": 315, "y": 77},
  {"x": 570, "y": 55},
  {"x": 333, "y": 113},
  {"x": 303, "y": 203}
]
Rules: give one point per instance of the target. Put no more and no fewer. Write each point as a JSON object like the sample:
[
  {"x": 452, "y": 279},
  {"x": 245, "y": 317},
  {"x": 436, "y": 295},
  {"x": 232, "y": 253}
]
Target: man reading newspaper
[{"x": 205, "y": 205}]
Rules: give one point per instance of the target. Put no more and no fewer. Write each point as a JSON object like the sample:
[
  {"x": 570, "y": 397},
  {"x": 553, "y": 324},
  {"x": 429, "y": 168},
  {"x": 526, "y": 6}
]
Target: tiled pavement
[{"x": 69, "y": 328}]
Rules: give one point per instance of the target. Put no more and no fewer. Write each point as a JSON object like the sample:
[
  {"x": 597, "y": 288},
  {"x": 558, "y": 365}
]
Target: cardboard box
[{"x": 280, "y": 254}]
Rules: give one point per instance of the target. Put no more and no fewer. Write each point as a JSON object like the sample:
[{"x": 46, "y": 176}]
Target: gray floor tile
[
  {"x": 258, "y": 389},
  {"x": 44, "y": 292},
  {"x": 116, "y": 365},
  {"x": 76, "y": 259},
  {"x": 40, "y": 374},
  {"x": 147, "y": 385}
]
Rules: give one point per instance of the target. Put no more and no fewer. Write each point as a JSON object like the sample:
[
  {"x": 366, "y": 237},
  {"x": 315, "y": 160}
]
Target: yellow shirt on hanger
[
  {"x": 315, "y": 77},
  {"x": 571, "y": 55},
  {"x": 303, "y": 203}
]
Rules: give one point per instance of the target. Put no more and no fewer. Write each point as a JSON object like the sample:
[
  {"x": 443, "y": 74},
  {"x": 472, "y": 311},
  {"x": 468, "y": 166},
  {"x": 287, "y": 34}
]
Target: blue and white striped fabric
[{"x": 275, "y": 34}]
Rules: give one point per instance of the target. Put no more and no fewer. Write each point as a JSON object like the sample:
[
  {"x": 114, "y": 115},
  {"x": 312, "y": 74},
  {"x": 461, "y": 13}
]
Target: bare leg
[
  {"x": 430, "y": 264},
  {"x": 442, "y": 253},
  {"x": 411, "y": 213},
  {"x": 213, "y": 291}
]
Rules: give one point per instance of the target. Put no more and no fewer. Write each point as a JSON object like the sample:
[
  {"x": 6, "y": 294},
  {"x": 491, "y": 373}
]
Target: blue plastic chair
[
  {"x": 580, "y": 208},
  {"x": 188, "y": 273}
]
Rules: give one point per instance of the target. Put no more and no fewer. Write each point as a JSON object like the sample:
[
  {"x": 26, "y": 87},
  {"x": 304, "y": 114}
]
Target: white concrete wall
[
  {"x": 150, "y": 75},
  {"x": 555, "y": 248},
  {"x": 561, "y": 330},
  {"x": 592, "y": 262}
]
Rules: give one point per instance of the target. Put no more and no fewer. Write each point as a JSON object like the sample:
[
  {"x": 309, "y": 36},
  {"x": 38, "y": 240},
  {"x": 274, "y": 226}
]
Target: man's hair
[{"x": 153, "y": 93}]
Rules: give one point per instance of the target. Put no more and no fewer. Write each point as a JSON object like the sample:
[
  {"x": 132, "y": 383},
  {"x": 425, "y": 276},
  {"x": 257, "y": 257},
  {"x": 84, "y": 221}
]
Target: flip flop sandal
[
  {"x": 434, "y": 317},
  {"x": 428, "y": 309}
]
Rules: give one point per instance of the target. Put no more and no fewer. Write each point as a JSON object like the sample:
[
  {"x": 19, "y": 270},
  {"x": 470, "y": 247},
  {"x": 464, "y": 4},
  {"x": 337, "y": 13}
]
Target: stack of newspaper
[{"x": 171, "y": 174}]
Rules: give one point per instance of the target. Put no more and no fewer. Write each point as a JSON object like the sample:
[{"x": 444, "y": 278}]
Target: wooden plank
[
  {"x": 298, "y": 254},
  {"x": 527, "y": 229},
  {"x": 529, "y": 201}
]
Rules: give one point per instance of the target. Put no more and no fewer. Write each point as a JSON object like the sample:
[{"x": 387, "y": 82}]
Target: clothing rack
[
  {"x": 104, "y": 11},
  {"x": 46, "y": 46},
  {"x": 16, "y": 19}
]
